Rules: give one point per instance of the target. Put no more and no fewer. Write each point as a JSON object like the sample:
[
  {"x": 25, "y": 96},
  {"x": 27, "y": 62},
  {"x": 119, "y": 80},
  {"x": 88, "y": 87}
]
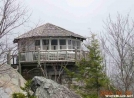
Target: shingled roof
[{"x": 48, "y": 30}]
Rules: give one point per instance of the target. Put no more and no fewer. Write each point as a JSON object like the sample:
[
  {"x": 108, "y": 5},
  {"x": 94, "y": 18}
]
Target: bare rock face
[
  {"x": 46, "y": 88},
  {"x": 10, "y": 81}
]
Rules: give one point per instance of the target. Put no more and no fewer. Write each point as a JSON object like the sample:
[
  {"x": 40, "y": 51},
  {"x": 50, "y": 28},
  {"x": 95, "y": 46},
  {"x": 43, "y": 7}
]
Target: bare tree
[
  {"x": 12, "y": 16},
  {"x": 118, "y": 44}
]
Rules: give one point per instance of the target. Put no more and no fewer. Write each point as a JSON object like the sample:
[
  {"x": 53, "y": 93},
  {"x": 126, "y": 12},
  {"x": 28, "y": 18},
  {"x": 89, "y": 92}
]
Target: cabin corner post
[
  {"x": 9, "y": 58},
  {"x": 19, "y": 63}
]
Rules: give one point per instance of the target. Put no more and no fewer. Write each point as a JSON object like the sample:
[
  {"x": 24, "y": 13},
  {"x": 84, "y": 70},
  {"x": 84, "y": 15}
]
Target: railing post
[
  {"x": 38, "y": 57},
  {"x": 66, "y": 55},
  {"x": 57, "y": 55},
  {"x": 84, "y": 54},
  {"x": 9, "y": 58},
  {"x": 48, "y": 58},
  {"x": 75, "y": 54}
]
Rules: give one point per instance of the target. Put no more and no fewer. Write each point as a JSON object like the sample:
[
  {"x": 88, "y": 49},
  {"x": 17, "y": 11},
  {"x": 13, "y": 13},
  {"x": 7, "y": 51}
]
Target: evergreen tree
[{"x": 90, "y": 76}]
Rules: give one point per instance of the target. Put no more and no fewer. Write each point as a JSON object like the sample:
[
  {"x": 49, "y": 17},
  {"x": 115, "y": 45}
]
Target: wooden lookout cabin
[{"x": 46, "y": 50}]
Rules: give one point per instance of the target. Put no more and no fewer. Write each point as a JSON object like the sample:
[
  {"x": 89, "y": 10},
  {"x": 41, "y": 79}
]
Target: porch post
[
  {"x": 58, "y": 44},
  {"x": 49, "y": 43},
  {"x": 67, "y": 44},
  {"x": 41, "y": 47}
]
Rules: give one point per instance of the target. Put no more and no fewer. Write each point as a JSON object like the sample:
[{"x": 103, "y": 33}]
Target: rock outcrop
[
  {"x": 46, "y": 88},
  {"x": 10, "y": 81}
]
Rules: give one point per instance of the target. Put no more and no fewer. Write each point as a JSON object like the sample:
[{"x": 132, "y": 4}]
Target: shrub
[{"x": 18, "y": 95}]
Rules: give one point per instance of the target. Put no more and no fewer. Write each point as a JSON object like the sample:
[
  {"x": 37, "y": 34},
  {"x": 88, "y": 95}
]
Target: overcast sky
[{"x": 78, "y": 16}]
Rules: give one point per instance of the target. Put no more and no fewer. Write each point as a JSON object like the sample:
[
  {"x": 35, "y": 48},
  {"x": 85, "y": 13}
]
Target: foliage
[
  {"x": 26, "y": 89},
  {"x": 18, "y": 95},
  {"x": 90, "y": 76}
]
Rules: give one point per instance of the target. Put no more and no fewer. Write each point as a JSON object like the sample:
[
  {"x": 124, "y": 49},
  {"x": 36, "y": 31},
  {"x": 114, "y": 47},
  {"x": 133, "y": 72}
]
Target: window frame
[
  {"x": 55, "y": 46},
  {"x": 62, "y": 46},
  {"x": 45, "y": 45},
  {"x": 38, "y": 43}
]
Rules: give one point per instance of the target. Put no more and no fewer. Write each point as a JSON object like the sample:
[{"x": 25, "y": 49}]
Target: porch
[
  {"x": 52, "y": 55},
  {"x": 50, "y": 60}
]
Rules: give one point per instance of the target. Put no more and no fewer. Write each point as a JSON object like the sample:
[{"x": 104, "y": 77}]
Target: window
[
  {"x": 78, "y": 44},
  {"x": 73, "y": 44},
  {"x": 54, "y": 47},
  {"x": 62, "y": 44},
  {"x": 54, "y": 44},
  {"x": 37, "y": 44},
  {"x": 69, "y": 44},
  {"x": 45, "y": 44},
  {"x": 23, "y": 43},
  {"x": 23, "y": 46},
  {"x": 30, "y": 45}
]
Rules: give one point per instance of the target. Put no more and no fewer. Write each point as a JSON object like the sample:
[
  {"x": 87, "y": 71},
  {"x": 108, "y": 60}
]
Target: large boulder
[
  {"x": 46, "y": 88},
  {"x": 10, "y": 81}
]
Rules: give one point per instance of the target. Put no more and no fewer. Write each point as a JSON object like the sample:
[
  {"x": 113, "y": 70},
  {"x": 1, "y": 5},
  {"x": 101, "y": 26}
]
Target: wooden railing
[{"x": 52, "y": 55}]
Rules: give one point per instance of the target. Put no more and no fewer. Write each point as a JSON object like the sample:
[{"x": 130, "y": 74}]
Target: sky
[{"x": 78, "y": 16}]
